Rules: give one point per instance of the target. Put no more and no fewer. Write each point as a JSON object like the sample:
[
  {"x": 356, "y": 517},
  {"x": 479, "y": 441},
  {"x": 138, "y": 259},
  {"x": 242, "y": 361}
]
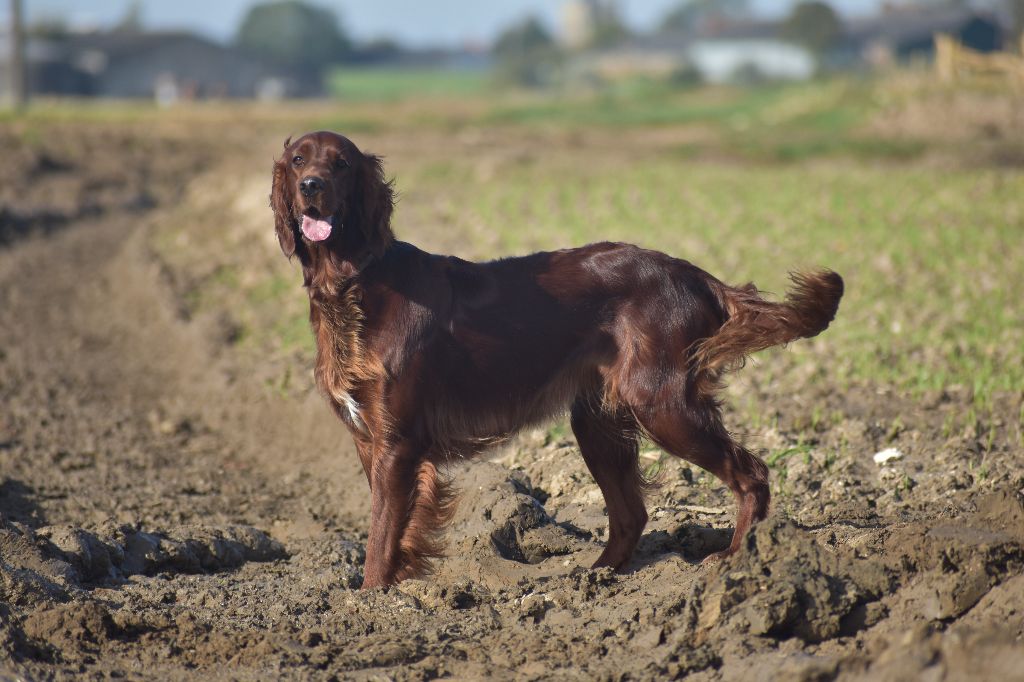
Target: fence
[{"x": 954, "y": 61}]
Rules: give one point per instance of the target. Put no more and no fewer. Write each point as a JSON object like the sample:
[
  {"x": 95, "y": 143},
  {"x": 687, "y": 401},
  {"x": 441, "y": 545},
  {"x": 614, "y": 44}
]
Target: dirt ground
[{"x": 163, "y": 514}]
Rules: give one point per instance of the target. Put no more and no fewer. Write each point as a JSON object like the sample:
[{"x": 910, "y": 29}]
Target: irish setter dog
[{"x": 429, "y": 358}]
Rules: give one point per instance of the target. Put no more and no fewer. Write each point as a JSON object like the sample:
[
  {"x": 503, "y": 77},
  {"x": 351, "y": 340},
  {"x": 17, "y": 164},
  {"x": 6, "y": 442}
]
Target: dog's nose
[{"x": 311, "y": 186}]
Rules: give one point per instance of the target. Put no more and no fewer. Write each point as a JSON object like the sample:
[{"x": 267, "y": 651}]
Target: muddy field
[{"x": 177, "y": 503}]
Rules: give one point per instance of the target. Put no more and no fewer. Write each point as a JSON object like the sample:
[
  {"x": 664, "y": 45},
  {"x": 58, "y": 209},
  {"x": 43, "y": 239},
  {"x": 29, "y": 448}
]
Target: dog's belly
[{"x": 481, "y": 406}]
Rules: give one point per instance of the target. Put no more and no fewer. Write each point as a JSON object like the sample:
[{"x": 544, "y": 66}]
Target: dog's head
[{"x": 328, "y": 194}]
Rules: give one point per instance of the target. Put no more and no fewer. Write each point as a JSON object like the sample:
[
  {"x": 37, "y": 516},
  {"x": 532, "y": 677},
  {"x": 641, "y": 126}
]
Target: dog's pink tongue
[{"x": 316, "y": 230}]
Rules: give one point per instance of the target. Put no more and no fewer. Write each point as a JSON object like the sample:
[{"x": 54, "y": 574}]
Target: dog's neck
[
  {"x": 336, "y": 316},
  {"x": 328, "y": 270}
]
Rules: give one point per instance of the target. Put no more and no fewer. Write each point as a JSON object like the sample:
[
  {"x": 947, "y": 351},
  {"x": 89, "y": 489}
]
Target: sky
[{"x": 416, "y": 22}]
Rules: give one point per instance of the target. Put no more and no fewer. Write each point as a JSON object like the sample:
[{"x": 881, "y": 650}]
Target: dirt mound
[
  {"x": 784, "y": 584},
  {"x": 125, "y": 551},
  {"x": 501, "y": 527}
]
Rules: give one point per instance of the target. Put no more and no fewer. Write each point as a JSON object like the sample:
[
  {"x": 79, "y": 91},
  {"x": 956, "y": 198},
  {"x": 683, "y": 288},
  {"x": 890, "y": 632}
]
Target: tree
[
  {"x": 693, "y": 16},
  {"x": 608, "y": 29},
  {"x": 295, "y": 35},
  {"x": 525, "y": 54},
  {"x": 522, "y": 38},
  {"x": 813, "y": 24},
  {"x": 131, "y": 20}
]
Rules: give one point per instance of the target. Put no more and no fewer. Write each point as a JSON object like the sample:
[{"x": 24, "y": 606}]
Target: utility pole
[{"x": 16, "y": 60}]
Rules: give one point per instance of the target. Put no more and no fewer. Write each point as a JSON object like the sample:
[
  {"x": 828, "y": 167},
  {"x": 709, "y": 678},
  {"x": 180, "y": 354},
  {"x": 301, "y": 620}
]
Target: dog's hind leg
[
  {"x": 696, "y": 433},
  {"x": 608, "y": 442}
]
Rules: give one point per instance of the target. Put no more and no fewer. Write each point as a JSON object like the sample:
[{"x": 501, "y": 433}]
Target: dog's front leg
[
  {"x": 364, "y": 448},
  {"x": 392, "y": 484}
]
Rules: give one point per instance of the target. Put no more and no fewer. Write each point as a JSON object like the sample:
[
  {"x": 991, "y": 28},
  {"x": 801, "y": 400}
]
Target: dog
[{"x": 429, "y": 358}]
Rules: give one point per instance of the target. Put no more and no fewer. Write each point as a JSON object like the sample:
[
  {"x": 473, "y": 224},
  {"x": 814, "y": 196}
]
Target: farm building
[
  {"x": 747, "y": 49},
  {"x": 726, "y": 52},
  {"x": 902, "y": 35},
  {"x": 166, "y": 65},
  {"x": 721, "y": 61},
  {"x": 719, "y": 57}
]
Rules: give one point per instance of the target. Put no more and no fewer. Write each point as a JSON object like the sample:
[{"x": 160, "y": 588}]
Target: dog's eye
[
  {"x": 298, "y": 161},
  {"x": 341, "y": 163}
]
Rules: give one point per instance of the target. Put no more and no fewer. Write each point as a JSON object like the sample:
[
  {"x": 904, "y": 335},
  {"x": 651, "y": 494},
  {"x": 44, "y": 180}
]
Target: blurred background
[{"x": 358, "y": 50}]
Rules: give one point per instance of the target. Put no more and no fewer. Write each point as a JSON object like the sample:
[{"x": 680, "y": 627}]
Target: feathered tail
[{"x": 755, "y": 324}]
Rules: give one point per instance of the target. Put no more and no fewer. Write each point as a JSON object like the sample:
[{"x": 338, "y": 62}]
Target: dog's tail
[{"x": 754, "y": 324}]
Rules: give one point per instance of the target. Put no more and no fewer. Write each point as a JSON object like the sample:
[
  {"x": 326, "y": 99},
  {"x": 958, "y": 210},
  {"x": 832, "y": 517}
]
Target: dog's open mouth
[{"x": 317, "y": 229}]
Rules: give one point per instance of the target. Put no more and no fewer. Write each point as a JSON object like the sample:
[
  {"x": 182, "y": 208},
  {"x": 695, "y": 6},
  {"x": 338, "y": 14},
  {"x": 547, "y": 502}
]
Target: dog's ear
[
  {"x": 375, "y": 201},
  {"x": 280, "y": 202}
]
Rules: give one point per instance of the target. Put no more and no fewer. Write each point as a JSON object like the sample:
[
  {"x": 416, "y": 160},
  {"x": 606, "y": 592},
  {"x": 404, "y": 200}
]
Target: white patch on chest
[{"x": 353, "y": 410}]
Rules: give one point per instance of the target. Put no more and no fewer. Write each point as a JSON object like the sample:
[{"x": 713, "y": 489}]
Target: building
[
  {"x": 726, "y": 60},
  {"x": 907, "y": 34},
  {"x": 737, "y": 52},
  {"x": 167, "y": 66},
  {"x": 745, "y": 50}
]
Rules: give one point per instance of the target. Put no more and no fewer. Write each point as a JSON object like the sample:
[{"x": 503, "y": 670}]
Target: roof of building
[{"x": 912, "y": 24}]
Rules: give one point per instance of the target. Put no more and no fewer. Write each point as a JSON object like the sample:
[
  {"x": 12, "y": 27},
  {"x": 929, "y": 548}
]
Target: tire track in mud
[
  {"x": 128, "y": 448},
  {"x": 104, "y": 382}
]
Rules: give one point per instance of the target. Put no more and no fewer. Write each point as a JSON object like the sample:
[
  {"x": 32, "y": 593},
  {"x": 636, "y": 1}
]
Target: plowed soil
[{"x": 164, "y": 514}]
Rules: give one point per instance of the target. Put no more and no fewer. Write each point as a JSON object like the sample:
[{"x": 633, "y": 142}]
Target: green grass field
[
  {"x": 927, "y": 230},
  {"x": 933, "y": 258}
]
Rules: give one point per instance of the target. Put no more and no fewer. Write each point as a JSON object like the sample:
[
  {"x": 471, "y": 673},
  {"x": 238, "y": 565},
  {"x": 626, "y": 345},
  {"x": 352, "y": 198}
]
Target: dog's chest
[
  {"x": 341, "y": 363},
  {"x": 352, "y": 409},
  {"x": 337, "y": 386}
]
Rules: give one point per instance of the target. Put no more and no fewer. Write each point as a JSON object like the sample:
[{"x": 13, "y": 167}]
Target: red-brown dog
[{"x": 427, "y": 358}]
